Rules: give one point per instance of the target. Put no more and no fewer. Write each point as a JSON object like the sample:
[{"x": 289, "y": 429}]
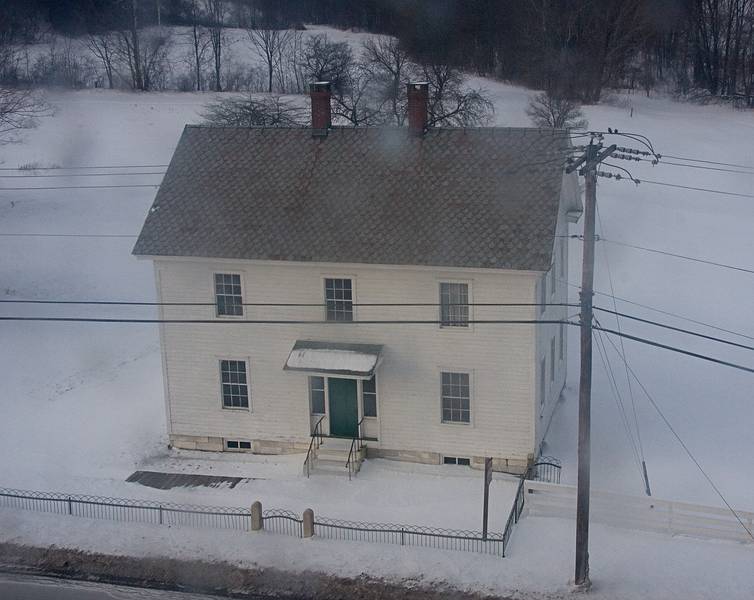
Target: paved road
[{"x": 17, "y": 587}]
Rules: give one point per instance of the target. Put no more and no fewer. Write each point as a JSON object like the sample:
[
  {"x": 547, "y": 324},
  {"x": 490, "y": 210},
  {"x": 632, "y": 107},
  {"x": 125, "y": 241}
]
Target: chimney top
[
  {"x": 418, "y": 96},
  {"x": 319, "y": 91}
]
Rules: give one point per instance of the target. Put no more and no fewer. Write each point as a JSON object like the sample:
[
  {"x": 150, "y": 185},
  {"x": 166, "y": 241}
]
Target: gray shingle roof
[{"x": 454, "y": 197}]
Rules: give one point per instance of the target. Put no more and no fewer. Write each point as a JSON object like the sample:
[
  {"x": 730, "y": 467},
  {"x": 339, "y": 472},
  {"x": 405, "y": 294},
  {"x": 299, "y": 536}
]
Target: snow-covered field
[{"x": 82, "y": 403}]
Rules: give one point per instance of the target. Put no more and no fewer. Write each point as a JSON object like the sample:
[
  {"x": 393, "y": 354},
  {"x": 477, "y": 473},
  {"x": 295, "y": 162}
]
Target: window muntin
[
  {"x": 456, "y": 404},
  {"x": 454, "y": 304},
  {"x": 369, "y": 396},
  {"x": 228, "y": 298},
  {"x": 317, "y": 395},
  {"x": 339, "y": 299},
  {"x": 235, "y": 385}
]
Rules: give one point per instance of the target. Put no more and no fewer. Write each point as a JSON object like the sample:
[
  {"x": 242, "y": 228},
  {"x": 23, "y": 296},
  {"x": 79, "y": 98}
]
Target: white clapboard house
[{"x": 334, "y": 229}]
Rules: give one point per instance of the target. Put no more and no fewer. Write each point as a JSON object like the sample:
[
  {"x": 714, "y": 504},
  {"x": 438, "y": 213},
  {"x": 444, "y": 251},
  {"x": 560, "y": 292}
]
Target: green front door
[{"x": 344, "y": 412}]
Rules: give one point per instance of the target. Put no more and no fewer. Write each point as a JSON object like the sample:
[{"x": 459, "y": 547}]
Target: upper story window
[
  {"x": 369, "y": 396},
  {"x": 228, "y": 296},
  {"x": 456, "y": 398},
  {"x": 235, "y": 385},
  {"x": 454, "y": 304},
  {"x": 339, "y": 299}
]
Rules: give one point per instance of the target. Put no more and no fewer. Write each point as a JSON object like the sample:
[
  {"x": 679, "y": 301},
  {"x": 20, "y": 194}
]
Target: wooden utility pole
[
  {"x": 487, "y": 481},
  {"x": 591, "y": 159}
]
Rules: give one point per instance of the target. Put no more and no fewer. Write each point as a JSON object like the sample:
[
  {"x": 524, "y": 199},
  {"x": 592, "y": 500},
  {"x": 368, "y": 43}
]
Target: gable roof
[{"x": 485, "y": 197}]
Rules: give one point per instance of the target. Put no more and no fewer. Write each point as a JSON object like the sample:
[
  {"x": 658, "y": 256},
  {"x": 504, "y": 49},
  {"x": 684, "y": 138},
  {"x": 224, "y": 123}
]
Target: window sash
[
  {"x": 317, "y": 395},
  {"x": 339, "y": 299},
  {"x": 454, "y": 304},
  {"x": 456, "y": 398},
  {"x": 228, "y": 295},
  {"x": 369, "y": 397},
  {"x": 234, "y": 384}
]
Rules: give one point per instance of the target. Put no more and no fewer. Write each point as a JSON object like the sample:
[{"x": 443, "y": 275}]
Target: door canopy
[{"x": 333, "y": 358}]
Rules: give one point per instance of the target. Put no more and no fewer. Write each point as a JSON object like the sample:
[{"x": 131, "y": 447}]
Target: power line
[
  {"x": 78, "y": 187},
  {"x": 275, "y": 304},
  {"x": 85, "y": 175},
  {"x": 628, "y": 379},
  {"x": 678, "y": 329},
  {"x": 675, "y": 349},
  {"x": 709, "y": 162},
  {"x": 664, "y": 162},
  {"x": 286, "y": 322},
  {"x": 666, "y": 312},
  {"x": 613, "y": 384},
  {"x": 675, "y": 255},
  {"x": 697, "y": 189},
  {"x": 26, "y": 169},
  {"x": 682, "y": 443}
]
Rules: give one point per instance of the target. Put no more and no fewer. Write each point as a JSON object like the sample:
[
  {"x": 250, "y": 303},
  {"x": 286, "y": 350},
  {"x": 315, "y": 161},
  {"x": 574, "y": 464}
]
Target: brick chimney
[
  {"x": 321, "y": 115},
  {"x": 418, "y": 95}
]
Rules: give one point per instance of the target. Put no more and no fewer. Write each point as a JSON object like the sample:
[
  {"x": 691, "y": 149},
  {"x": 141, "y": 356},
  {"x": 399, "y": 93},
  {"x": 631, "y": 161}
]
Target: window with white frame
[
  {"x": 454, "y": 304},
  {"x": 369, "y": 396},
  {"x": 228, "y": 296},
  {"x": 552, "y": 358},
  {"x": 456, "y": 399},
  {"x": 317, "y": 395},
  {"x": 339, "y": 299},
  {"x": 234, "y": 384}
]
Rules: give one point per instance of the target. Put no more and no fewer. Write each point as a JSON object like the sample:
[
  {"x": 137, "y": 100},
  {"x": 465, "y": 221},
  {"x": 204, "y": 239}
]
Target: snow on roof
[{"x": 356, "y": 360}]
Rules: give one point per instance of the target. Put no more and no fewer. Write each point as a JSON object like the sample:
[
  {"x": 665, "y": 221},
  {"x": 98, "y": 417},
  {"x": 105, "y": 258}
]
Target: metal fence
[
  {"x": 409, "y": 535},
  {"x": 282, "y": 521},
  {"x": 546, "y": 469},
  {"x": 132, "y": 511},
  {"x": 277, "y": 521}
]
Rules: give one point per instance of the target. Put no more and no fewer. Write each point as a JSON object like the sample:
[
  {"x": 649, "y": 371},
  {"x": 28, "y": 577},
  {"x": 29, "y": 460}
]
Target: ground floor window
[
  {"x": 317, "y": 395},
  {"x": 237, "y": 445},
  {"x": 235, "y": 386},
  {"x": 456, "y": 460},
  {"x": 456, "y": 400},
  {"x": 369, "y": 396}
]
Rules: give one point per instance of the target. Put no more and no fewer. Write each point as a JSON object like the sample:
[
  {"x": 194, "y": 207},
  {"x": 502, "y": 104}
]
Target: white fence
[{"x": 639, "y": 512}]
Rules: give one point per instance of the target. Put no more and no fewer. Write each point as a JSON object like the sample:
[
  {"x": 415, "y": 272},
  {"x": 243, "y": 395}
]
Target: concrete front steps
[{"x": 332, "y": 455}]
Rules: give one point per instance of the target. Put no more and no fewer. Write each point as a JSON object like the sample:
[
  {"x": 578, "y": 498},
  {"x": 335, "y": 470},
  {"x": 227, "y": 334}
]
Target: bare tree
[
  {"x": 200, "y": 43},
  {"x": 389, "y": 64},
  {"x": 270, "y": 45},
  {"x": 269, "y": 111},
  {"x": 324, "y": 60},
  {"x": 104, "y": 47},
  {"x": 19, "y": 109},
  {"x": 358, "y": 100},
  {"x": 556, "y": 111},
  {"x": 216, "y": 13},
  {"x": 451, "y": 102}
]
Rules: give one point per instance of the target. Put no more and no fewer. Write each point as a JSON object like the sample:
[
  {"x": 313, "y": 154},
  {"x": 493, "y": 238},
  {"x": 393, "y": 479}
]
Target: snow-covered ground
[
  {"x": 82, "y": 403},
  {"x": 624, "y": 565}
]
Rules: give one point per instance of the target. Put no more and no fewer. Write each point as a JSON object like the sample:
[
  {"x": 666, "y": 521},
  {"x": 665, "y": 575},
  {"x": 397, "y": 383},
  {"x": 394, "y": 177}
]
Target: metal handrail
[
  {"x": 357, "y": 438},
  {"x": 316, "y": 436}
]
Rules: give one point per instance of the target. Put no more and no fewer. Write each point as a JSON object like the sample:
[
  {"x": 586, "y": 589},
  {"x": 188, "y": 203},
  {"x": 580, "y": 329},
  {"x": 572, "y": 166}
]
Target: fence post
[
  {"x": 308, "y": 523},
  {"x": 256, "y": 516},
  {"x": 160, "y": 514},
  {"x": 70, "y": 506}
]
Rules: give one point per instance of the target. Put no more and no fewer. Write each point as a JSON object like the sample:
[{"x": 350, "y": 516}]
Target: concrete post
[
  {"x": 256, "y": 516},
  {"x": 308, "y": 523}
]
